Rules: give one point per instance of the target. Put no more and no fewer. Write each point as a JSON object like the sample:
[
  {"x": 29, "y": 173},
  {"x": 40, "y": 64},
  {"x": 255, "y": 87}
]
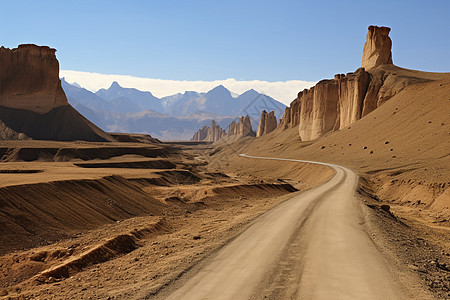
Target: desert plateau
[{"x": 341, "y": 193}]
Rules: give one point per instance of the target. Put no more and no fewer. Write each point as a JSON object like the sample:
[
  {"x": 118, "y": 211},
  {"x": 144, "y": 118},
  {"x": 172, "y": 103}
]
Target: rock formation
[
  {"x": 209, "y": 134},
  {"x": 267, "y": 123},
  {"x": 215, "y": 133},
  {"x": 336, "y": 103},
  {"x": 377, "y": 49},
  {"x": 29, "y": 77},
  {"x": 352, "y": 90},
  {"x": 242, "y": 128},
  {"x": 201, "y": 134},
  {"x": 285, "y": 120},
  {"x": 317, "y": 111},
  {"x": 32, "y": 102},
  {"x": 291, "y": 116}
]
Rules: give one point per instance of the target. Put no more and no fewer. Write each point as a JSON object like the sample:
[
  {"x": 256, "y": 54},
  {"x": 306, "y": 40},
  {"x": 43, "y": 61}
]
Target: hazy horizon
[{"x": 284, "y": 92}]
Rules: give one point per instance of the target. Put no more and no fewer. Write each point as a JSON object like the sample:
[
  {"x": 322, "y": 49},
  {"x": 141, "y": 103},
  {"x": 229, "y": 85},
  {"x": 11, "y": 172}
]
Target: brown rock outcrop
[
  {"x": 209, "y": 134},
  {"x": 285, "y": 120},
  {"x": 291, "y": 116},
  {"x": 318, "y": 109},
  {"x": 33, "y": 104},
  {"x": 242, "y": 128},
  {"x": 377, "y": 49},
  {"x": 336, "y": 103},
  {"x": 29, "y": 79},
  {"x": 267, "y": 123},
  {"x": 351, "y": 92},
  {"x": 215, "y": 133}
]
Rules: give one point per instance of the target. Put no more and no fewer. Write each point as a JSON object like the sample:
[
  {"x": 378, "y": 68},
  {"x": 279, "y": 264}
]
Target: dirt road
[{"x": 313, "y": 246}]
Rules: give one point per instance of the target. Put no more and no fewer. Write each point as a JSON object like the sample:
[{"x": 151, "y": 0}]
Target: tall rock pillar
[{"x": 377, "y": 49}]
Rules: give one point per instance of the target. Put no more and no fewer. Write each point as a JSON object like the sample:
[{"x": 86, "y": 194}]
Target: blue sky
[{"x": 213, "y": 40}]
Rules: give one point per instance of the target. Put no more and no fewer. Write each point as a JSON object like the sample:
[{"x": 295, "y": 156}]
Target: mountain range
[{"x": 175, "y": 117}]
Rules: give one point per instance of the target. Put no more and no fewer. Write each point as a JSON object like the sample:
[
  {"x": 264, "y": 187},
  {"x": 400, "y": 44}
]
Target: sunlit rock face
[
  {"x": 29, "y": 79},
  {"x": 377, "y": 49},
  {"x": 352, "y": 90}
]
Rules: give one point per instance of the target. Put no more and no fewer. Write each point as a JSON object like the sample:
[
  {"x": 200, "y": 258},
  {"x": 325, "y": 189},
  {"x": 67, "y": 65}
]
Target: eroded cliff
[
  {"x": 29, "y": 79},
  {"x": 336, "y": 103},
  {"x": 33, "y": 104}
]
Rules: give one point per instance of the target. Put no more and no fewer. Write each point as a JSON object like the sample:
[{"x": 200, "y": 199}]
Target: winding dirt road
[{"x": 312, "y": 246}]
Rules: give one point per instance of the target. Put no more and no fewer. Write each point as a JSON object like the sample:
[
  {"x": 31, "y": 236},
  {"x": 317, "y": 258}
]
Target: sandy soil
[{"x": 127, "y": 230}]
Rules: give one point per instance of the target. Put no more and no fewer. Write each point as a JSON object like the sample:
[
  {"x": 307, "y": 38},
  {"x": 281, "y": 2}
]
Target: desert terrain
[
  {"x": 346, "y": 197},
  {"x": 105, "y": 212}
]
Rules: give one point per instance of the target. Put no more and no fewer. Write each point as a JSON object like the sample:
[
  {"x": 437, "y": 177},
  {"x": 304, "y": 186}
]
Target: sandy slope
[{"x": 313, "y": 246}]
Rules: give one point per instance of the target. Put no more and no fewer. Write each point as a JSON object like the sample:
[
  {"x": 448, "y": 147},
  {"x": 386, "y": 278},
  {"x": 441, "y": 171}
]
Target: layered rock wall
[
  {"x": 318, "y": 109},
  {"x": 351, "y": 93},
  {"x": 29, "y": 79},
  {"x": 267, "y": 123}
]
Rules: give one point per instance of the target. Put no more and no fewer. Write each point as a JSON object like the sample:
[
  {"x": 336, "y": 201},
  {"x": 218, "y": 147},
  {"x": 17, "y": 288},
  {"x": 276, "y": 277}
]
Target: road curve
[{"x": 312, "y": 246}]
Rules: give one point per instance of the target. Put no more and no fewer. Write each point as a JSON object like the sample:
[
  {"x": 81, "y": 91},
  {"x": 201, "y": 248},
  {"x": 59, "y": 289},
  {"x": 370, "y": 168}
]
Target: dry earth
[{"x": 99, "y": 220}]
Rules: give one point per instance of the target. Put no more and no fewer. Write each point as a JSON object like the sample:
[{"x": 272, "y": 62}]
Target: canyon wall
[
  {"x": 317, "y": 112},
  {"x": 267, "y": 123},
  {"x": 29, "y": 79}
]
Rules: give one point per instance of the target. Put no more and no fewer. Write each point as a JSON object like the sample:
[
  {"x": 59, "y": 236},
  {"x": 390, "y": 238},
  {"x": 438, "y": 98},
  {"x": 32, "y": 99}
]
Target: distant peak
[
  {"x": 251, "y": 92},
  {"x": 115, "y": 84},
  {"x": 220, "y": 87}
]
